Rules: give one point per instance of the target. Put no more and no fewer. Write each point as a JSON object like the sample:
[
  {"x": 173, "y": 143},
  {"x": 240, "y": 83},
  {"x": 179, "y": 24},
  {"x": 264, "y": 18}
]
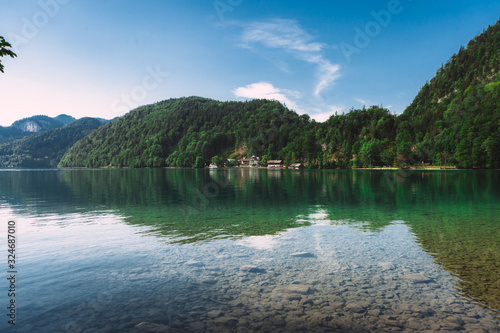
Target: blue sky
[{"x": 103, "y": 58}]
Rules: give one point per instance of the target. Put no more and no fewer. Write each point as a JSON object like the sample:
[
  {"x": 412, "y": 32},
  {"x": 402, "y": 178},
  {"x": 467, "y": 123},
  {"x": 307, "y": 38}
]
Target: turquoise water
[{"x": 183, "y": 250}]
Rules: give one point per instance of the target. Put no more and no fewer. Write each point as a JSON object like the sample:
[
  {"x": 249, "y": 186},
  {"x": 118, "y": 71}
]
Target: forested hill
[
  {"x": 454, "y": 120},
  {"x": 189, "y": 132},
  {"x": 44, "y": 150},
  {"x": 456, "y": 116}
]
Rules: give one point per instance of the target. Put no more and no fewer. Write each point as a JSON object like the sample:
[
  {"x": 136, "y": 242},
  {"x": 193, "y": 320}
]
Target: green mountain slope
[
  {"x": 44, "y": 150},
  {"x": 455, "y": 118},
  {"x": 189, "y": 132}
]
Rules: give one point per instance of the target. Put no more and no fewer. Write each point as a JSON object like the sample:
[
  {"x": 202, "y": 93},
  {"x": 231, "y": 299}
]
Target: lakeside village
[
  {"x": 257, "y": 162},
  {"x": 253, "y": 162}
]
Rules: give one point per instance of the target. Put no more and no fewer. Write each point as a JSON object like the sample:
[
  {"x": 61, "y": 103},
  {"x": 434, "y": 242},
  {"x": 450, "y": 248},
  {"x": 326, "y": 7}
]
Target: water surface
[{"x": 254, "y": 250}]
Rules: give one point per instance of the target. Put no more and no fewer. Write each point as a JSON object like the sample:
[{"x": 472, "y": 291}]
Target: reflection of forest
[
  {"x": 453, "y": 214},
  {"x": 455, "y": 217}
]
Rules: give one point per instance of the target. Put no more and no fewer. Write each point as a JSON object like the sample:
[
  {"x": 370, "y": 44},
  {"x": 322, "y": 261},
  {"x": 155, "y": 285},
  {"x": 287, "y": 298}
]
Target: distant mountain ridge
[
  {"x": 45, "y": 149},
  {"x": 34, "y": 124},
  {"x": 37, "y": 124},
  {"x": 65, "y": 119}
]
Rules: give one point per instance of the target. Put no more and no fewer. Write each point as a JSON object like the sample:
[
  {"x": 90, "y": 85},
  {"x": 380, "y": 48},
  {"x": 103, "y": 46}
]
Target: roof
[
  {"x": 274, "y": 162},
  {"x": 296, "y": 164}
]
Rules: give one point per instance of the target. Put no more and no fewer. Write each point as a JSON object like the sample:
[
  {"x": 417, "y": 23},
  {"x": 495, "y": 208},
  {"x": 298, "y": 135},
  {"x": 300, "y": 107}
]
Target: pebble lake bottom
[{"x": 95, "y": 258}]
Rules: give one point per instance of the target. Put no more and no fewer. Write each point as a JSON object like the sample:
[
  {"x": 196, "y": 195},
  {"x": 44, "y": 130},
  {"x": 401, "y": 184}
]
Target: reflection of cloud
[
  {"x": 259, "y": 242},
  {"x": 318, "y": 217}
]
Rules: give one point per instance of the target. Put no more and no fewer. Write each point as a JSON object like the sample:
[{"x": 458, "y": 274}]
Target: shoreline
[{"x": 449, "y": 168}]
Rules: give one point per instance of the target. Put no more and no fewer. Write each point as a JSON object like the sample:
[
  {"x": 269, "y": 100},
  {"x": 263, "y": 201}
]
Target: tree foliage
[
  {"x": 5, "y": 50},
  {"x": 455, "y": 118},
  {"x": 190, "y": 132}
]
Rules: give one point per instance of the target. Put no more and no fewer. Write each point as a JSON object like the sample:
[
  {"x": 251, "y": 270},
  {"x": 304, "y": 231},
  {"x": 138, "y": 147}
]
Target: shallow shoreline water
[{"x": 261, "y": 252}]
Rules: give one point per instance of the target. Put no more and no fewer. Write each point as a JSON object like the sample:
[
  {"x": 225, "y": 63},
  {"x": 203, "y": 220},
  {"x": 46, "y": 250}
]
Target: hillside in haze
[
  {"x": 45, "y": 149},
  {"x": 35, "y": 124},
  {"x": 454, "y": 120}
]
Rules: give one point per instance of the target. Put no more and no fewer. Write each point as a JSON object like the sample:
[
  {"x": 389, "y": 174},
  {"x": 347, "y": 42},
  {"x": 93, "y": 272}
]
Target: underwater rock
[
  {"x": 302, "y": 255},
  {"x": 194, "y": 263},
  {"x": 417, "y": 278},
  {"x": 152, "y": 327},
  {"x": 252, "y": 269}
]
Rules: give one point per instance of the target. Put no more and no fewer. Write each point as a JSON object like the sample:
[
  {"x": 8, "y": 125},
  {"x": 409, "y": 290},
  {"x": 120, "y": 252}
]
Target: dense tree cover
[
  {"x": 190, "y": 132},
  {"x": 360, "y": 138},
  {"x": 44, "y": 150},
  {"x": 455, "y": 119}
]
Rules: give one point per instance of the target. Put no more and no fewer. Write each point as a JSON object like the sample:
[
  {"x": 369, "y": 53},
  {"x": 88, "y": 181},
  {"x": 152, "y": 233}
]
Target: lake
[{"x": 251, "y": 250}]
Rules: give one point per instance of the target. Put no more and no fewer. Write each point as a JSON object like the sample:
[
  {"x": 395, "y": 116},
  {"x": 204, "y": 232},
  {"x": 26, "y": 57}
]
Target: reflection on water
[{"x": 280, "y": 249}]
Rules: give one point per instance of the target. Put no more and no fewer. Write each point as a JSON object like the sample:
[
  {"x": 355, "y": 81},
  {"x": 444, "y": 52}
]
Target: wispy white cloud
[
  {"x": 361, "y": 101},
  {"x": 289, "y": 36},
  {"x": 266, "y": 90},
  {"x": 327, "y": 72},
  {"x": 280, "y": 33},
  {"x": 292, "y": 93}
]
